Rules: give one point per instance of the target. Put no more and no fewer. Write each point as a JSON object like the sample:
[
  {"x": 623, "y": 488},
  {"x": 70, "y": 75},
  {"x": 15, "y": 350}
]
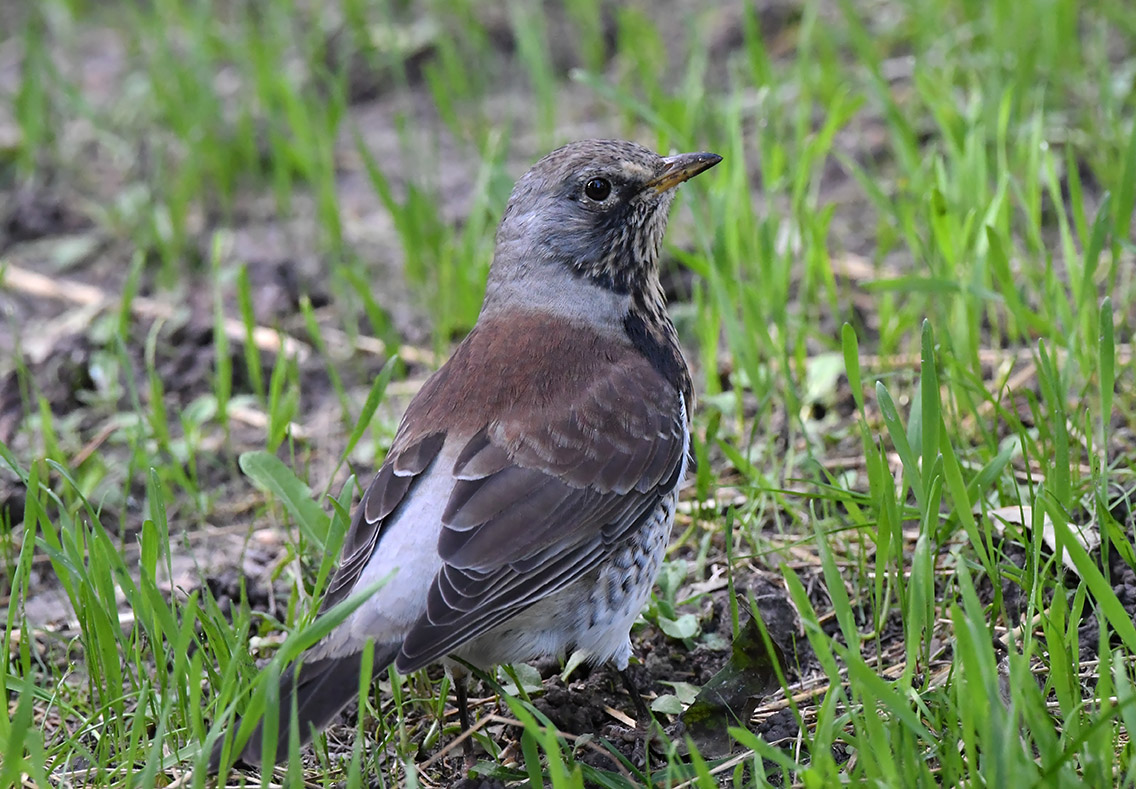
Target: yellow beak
[{"x": 681, "y": 167}]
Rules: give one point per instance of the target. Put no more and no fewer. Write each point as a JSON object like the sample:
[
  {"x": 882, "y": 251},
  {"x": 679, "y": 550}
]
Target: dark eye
[{"x": 598, "y": 189}]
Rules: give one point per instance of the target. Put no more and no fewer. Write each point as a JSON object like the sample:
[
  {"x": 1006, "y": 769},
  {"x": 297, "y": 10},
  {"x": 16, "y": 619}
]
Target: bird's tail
[{"x": 321, "y": 689}]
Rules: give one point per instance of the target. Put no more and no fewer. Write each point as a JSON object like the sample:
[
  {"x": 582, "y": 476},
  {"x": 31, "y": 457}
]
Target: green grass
[{"x": 912, "y": 303}]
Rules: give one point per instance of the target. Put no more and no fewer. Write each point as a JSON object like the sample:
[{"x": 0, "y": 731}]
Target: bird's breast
[{"x": 535, "y": 363}]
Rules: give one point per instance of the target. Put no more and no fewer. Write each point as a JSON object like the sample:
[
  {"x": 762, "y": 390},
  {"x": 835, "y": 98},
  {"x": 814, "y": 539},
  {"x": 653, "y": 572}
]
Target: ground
[{"x": 236, "y": 232}]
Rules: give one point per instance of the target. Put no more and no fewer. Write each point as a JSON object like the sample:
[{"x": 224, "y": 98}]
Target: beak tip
[{"x": 682, "y": 167}]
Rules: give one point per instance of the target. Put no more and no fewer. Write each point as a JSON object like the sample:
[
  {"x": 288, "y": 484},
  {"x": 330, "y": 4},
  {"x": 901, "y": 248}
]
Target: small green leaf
[
  {"x": 685, "y": 692},
  {"x": 668, "y": 703},
  {"x": 686, "y": 626},
  {"x": 528, "y": 677},
  {"x": 269, "y": 473}
]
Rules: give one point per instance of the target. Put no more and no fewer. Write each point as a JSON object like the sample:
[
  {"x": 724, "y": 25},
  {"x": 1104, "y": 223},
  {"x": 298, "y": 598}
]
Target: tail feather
[{"x": 322, "y": 688}]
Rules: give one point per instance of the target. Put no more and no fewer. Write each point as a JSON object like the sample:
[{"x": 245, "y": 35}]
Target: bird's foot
[{"x": 646, "y": 727}]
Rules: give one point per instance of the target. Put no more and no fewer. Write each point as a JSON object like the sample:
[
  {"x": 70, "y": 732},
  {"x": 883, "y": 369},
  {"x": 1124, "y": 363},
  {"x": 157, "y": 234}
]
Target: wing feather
[
  {"x": 549, "y": 472},
  {"x": 388, "y": 490},
  {"x": 539, "y": 499}
]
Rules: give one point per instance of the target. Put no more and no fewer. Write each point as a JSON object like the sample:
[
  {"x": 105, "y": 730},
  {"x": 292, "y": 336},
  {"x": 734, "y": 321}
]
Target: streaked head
[{"x": 596, "y": 208}]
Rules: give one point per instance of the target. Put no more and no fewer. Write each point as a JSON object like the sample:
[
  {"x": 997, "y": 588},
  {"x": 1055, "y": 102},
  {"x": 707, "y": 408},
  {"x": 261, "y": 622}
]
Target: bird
[{"x": 525, "y": 505}]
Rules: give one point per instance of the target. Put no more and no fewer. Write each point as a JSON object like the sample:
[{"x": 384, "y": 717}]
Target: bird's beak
[{"x": 681, "y": 167}]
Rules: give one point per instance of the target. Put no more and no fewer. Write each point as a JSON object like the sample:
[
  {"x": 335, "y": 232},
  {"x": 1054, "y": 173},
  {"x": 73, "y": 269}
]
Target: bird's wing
[
  {"x": 540, "y": 496},
  {"x": 565, "y": 441},
  {"x": 405, "y": 464}
]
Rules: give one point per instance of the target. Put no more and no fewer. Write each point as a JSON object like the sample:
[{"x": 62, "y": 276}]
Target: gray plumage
[{"x": 528, "y": 496}]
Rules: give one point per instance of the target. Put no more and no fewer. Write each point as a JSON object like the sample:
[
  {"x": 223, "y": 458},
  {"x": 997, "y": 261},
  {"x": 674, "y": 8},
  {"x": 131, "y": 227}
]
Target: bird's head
[{"x": 595, "y": 209}]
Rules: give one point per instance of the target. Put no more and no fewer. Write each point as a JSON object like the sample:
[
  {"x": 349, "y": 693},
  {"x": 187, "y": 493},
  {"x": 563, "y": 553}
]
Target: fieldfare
[{"x": 527, "y": 500}]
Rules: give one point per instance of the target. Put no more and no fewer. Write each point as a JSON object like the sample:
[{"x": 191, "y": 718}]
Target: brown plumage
[{"x": 527, "y": 499}]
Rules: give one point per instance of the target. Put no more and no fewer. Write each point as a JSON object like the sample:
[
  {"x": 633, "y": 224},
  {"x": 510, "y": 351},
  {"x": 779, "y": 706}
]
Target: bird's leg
[
  {"x": 654, "y": 735},
  {"x": 459, "y": 688},
  {"x": 642, "y": 714},
  {"x": 463, "y": 716}
]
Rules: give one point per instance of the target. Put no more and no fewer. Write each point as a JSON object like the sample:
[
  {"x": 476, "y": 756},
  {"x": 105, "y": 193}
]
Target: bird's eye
[{"x": 598, "y": 189}]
